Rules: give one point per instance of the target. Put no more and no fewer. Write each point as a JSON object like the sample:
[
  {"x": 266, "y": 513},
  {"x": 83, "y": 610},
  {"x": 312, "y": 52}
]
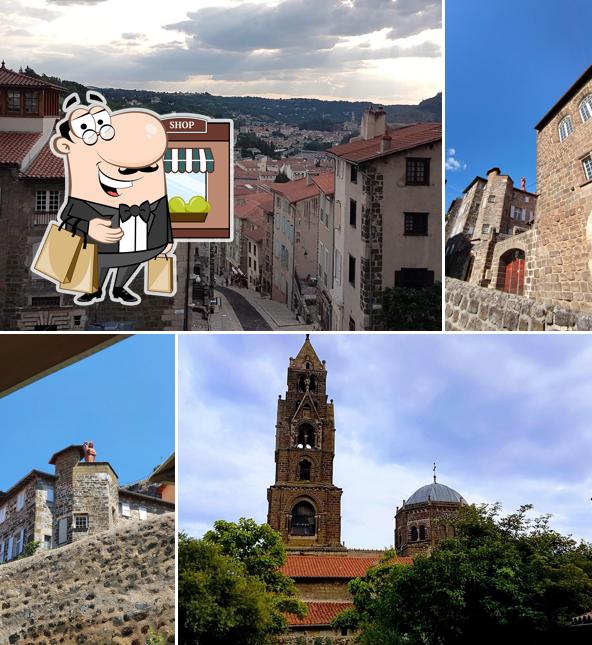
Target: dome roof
[{"x": 436, "y": 493}]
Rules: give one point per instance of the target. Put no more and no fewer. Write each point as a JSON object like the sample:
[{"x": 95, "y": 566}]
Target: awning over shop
[{"x": 188, "y": 160}]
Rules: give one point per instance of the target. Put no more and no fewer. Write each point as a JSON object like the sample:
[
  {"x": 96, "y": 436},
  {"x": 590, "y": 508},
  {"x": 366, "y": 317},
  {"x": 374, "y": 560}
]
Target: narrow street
[{"x": 250, "y": 319}]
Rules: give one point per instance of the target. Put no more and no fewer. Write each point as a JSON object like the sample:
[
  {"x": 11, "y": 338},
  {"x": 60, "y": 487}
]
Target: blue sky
[
  {"x": 506, "y": 418},
  {"x": 507, "y": 64},
  {"x": 123, "y": 398}
]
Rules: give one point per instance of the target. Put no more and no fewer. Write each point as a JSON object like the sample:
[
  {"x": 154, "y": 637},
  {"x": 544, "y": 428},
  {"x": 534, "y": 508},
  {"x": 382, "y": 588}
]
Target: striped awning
[{"x": 188, "y": 160}]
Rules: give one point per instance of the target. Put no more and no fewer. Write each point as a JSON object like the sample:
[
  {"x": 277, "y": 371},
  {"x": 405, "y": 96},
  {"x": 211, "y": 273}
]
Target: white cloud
[{"x": 452, "y": 163}]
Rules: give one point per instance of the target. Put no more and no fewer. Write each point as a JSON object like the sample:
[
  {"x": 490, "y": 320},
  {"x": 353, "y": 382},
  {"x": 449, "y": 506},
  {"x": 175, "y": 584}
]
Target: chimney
[
  {"x": 385, "y": 143},
  {"x": 523, "y": 183},
  {"x": 373, "y": 123}
]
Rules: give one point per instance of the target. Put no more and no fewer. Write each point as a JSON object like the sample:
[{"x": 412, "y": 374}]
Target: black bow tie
[{"x": 143, "y": 211}]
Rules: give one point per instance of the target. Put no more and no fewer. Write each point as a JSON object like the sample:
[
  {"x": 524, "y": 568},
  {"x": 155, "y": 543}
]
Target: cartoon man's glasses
[{"x": 90, "y": 126}]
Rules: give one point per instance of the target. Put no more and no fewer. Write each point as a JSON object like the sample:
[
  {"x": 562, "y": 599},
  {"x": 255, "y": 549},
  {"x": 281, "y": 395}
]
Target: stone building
[
  {"x": 561, "y": 267},
  {"x": 79, "y": 499},
  {"x": 304, "y": 505},
  {"x": 426, "y": 518},
  {"x": 326, "y": 277},
  {"x": 32, "y": 190},
  {"x": 388, "y": 194},
  {"x": 488, "y": 233}
]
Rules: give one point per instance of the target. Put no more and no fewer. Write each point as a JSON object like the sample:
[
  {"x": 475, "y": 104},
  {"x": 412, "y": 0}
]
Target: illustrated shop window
[
  {"x": 414, "y": 534},
  {"x": 587, "y": 162},
  {"x": 417, "y": 172},
  {"x": 186, "y": 171},
  {"x": 586, "y": 108},
  {"x": 303, "y": 520},
  {"x": 304, "y": 470},
  {"x": 565, "y": 128},
  {"x": 81, "y": 522},
  {"x": 416, "y": 223}
]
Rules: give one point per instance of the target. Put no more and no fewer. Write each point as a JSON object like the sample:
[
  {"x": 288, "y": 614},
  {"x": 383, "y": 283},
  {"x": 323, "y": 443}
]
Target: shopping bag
[
  {"x": 85, "y": 275},
  {"x": 160, "y": 275},
  {"x": 58, "y": 254}
]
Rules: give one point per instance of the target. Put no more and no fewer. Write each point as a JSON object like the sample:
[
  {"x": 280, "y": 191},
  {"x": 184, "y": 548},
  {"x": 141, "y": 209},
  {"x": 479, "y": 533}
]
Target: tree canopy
[
  {"x": 230, "y": 587},
  {"x": 500, "y": 579},
  {"x": 405, "y": 309}
]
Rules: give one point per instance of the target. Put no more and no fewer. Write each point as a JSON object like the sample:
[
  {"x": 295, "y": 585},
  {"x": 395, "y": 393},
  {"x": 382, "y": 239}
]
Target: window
[
  {"x": 63, "y": 530},
  {"x": 414, "y": 278},
  {"x": 485, "y": 229},
  {"x": 303, "y": 520},
  {"x": 2, "y": 514},
  {"x": 47, "y": 541},
  {"x": 422, "y": 532},
  {"x": 125, "y": 509},
  {"x": 50, "y": 494},
  {"x": 304, "y": 470},
  {"x": 1, "y": 551},
  {"x": 414, "y": 534},
  {"x": 143, "y": 513},
  {"x": 517, "y": 213},
  {"x": 80, "y": 522},
  {"x": 306, "y": 438},
  {"x": 353, "y": 214},
  {"x": 352, "y": 324},
  {"x": 31, "y": 103},
  {"x": 491, "y": 199},
  {"x": 586, "y": 108},
  {"x": 20, "y": 500},
  {"x": 565, "y": 128},
  {"x": 47, "y": 201},
  {"x": 352, "y": 271},
  {"x": 45, "y": 301},
  {"x": 19, "y": 542},
  {"x": 417, "y": 172},
  {"x": 337, "y": 267},
  {"x": 353, "y": 174},
  {"x": 13, "y": 101},
  {"x": 416, "y": 223},
  {"x": 588, "y": 166}
]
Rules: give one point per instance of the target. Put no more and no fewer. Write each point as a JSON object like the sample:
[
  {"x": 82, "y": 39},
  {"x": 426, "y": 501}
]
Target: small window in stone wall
[
  {"x": 143, "y": 513},
  {"x": 586, "y": 108},
  {"x": 81, "y": 522},
  {"x": 422, "y": 532},
  {"x": 2, "y": 514},
  {"x": 50, "y": 495},
  {"x": 587, "y": 162},
  {"x": 47, "y": 541},
  {"x": 565, "y": 128},
  {"x": 414, "y": 534},
  {"x": 491, "y": 199},
  {"x": 125, "y": 509},
  {"x": 20, "y": 500}
]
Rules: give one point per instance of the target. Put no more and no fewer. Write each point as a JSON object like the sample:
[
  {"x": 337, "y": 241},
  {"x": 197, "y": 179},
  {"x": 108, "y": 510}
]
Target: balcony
[{"x": 43, "y": 218}]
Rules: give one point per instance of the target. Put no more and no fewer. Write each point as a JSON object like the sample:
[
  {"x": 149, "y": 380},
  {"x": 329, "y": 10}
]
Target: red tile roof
[
  {"x": 404, "y": 138},
  {"x": 319, "y": 613},
  {"x": 45, "y": 165},
  {"x": 297, "y": 190},
  {"x": 327, "y": 566},
  {"x": 12, "y": 79},
  {"x": 14, "y": 146},
  {"x": 326, "y": 182}
]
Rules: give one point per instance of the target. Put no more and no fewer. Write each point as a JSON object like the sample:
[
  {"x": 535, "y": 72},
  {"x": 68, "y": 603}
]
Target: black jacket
[{"x": 77, "y": 214}]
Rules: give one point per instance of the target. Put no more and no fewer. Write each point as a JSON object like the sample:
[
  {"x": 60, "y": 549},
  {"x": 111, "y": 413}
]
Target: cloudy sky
[
  {"x": 122, "y": 398},
  {"x": 506, "y": 418},
  {"x": 385, "y": 51}
]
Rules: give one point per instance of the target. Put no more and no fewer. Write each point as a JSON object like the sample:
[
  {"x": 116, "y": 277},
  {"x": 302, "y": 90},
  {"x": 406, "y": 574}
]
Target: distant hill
[{"x": 302, "y": 112}]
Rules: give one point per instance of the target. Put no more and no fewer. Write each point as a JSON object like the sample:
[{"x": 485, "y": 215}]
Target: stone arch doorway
[{"x": 510, "y": 275}]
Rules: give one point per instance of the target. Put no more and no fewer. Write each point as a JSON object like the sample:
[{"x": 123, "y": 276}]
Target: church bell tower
[{"x": 304, "y": 504}]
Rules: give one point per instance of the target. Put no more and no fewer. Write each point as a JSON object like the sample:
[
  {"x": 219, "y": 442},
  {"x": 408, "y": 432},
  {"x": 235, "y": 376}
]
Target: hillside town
[{"x": 325, "y": 220}]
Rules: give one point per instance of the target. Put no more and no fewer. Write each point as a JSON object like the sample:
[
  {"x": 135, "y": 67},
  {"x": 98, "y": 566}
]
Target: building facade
[
  {"x": 387, "y": 204},
  {"x": 304, "y": 503},
  {"x": 79, "y": 499},
  {"x": 426, "y": 518}
]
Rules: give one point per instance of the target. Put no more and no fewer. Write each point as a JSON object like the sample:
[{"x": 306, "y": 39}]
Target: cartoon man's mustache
[{"x": 131, "y": 171}]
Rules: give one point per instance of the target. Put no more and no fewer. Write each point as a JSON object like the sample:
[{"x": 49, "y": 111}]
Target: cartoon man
[{"x": 116, "y": 191}]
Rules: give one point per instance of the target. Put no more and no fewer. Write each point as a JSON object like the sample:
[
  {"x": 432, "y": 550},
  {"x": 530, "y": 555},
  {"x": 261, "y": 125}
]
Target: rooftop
[
  {"x": 435, "y": 492},
  {"x": 45, "y": 166},
  {"x": 14, "y": 146},
  {"x": 23, "y": 481},
  {"x": 571, "y": 92},
  {"x": 296, "y": 191},
  {"x": 332, "y": 566},
  {"x": 319, "y": 613},
  {"x": 326, "y": 182},
  {"x": 72, "y": 447},
  {"x": 13, "y": 79},
  {"x": 405, "y": 138}
]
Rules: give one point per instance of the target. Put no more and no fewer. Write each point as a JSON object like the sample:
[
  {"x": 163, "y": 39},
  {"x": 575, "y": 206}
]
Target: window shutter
[
  {"x": 9, "y": 553},
  {"x": 1, "y": 551}
]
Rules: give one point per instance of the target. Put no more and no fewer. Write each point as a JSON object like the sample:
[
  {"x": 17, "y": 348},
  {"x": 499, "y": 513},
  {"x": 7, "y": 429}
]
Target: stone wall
[
  {"x": 108, "y": 589},
  {"x": 15, "y": 520},
  {"x": 473, "y": 308},
  {"x": 564, "y": 210}
]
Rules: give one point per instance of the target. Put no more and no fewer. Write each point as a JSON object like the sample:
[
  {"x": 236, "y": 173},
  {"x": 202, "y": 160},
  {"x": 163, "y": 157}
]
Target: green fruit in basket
[
  {"x": 177, "y": 205},
  {"x": 198, "y": 204}
]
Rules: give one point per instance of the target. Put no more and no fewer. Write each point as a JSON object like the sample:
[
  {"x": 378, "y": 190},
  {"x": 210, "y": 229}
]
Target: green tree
[
  {"x": 501, "y": 579},
  {"x": 406, "y": 309},
  {"x": 230, "y": 588},
  {"x": 281, "y": 178}
]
